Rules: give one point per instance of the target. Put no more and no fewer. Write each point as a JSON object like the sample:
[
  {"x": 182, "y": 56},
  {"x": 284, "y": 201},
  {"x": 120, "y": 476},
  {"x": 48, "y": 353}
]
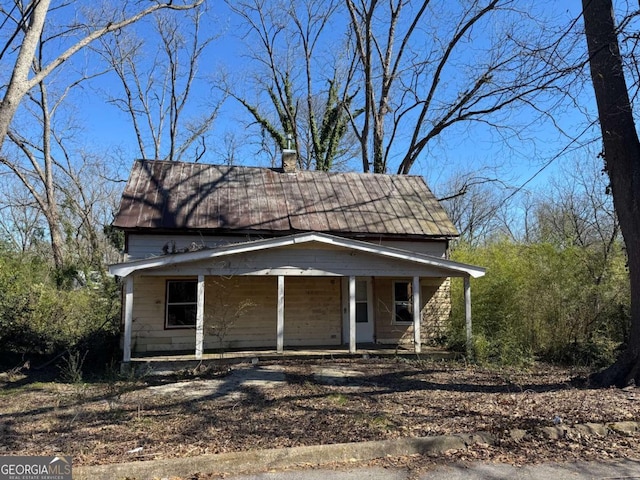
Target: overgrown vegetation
[
  {"x": 543, "y": 300},
  {"x": 77, "y": 322}
]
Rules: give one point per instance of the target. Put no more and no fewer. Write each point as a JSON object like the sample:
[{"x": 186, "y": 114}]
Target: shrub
[
  {"x": 543, "y": 300},
  {"x": 39, "y": 318}
]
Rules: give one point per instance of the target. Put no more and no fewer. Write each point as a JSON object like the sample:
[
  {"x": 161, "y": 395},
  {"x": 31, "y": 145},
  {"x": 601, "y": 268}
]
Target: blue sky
[{"x": 467, "y": 148}]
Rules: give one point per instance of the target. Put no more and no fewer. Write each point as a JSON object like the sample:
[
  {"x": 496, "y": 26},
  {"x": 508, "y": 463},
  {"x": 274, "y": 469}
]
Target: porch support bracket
[{"x": 417, "y": 338}]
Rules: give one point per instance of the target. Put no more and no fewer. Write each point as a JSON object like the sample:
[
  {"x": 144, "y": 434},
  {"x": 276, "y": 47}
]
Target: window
[
  {"x": 402, "y": 302},
  {"x": 362, "y": 313},
  {"x": 182, "y": 303}
]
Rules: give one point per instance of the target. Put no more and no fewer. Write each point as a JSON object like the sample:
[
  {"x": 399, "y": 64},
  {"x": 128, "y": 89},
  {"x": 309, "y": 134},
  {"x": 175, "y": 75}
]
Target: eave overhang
[{"x": 452, "y": 269}]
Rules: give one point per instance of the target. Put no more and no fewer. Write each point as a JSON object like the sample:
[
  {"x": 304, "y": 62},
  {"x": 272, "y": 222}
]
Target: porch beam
[
  {"x": 200, "y": 318},
  {"x": 128, "y": 317},
  {"x": 352, "y": 314},
  {"x": 280, "y": 321},
  {"x": 417, "y": 339},
  {"x": 467, "y": 314}
]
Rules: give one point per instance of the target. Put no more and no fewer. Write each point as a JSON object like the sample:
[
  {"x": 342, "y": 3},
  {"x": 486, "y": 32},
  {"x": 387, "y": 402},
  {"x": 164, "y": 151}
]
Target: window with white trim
[
  {"x": 362, "y": 312},
  {"x": 402, "y": 301},
  {"x": 182, "y": 303}
]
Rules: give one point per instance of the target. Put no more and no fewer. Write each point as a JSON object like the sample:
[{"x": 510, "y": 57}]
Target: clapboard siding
[
  {"x": 312, "y": 313},
  {"x": 141, "y": 246},
  {"x": 434, "y": 248},
  {"x": 251, "y": 326},
  {"x": 297, "y": 261},
  {"x": 435, "y": 308},
  {"x": 148, "y": 333}
]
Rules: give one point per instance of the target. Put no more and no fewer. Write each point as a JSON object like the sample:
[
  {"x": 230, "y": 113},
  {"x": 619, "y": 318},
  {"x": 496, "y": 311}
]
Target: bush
[
  {"x": 540, "y": 300},
  {"x": 39, "y": 318}
]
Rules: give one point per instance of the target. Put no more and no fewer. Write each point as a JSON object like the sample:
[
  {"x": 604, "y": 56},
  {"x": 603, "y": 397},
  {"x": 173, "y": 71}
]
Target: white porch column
[
  {"x": 417, "y": 339},
  {"x": 352, "y": 314},
  {"x": 467, "y": 312},
  {"x": 128, "y": 317},
  {"x": 200, "y": 318},
  {"x": 280, "y": 326}
]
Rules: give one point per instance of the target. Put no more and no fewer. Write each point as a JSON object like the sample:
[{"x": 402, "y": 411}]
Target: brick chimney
[{"x": 289, "y": 161}]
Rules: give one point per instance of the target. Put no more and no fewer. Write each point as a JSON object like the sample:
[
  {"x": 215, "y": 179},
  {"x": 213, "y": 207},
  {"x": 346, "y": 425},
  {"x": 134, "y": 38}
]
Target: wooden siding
[
  {"x": 255, "y": 327},
  {"x": 147, "y": 331},
  {"x": 312, "y": 311},
  {"x": 435, "y": 307},
  {"x": 141, "y": 246},
  {"x": 185, "y": 196},
  {"x": 312, "y": 314},
  {"x": 304, "y": 260}
]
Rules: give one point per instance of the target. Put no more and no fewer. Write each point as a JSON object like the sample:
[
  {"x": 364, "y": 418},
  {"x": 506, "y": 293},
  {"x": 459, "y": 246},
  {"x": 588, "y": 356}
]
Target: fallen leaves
[{"x": 371, "y": 399}]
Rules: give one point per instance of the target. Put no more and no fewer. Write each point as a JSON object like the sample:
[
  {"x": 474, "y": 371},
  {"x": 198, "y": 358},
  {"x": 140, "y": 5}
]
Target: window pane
[
  {"x": 361, "y": 313},
  {"x": 402, "y": 291},
  {"x": 403, "y": 313},
  {"x": 361, "y": 291},
  {"x": 182, "y": 291},
  {"x": 402, "y": 300},
  {"x": 181, "y": 315}
]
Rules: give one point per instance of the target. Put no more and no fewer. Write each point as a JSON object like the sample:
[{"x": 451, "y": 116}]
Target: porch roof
[{"x": 452, "y": 269}]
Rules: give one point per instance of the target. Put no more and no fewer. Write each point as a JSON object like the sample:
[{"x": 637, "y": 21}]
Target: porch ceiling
[{"x": 429, "y": 265}]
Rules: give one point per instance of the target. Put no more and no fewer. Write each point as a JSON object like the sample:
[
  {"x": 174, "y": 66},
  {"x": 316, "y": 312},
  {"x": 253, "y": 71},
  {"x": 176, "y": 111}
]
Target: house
[{"x": 242, "y": 257}]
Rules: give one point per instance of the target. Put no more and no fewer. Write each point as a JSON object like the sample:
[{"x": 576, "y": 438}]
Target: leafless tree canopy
[{"x": 42, "y": 157}]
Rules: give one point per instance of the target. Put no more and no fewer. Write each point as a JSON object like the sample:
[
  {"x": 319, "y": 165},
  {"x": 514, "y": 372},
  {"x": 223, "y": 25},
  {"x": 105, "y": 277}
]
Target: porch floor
[{"x": 292, "y": 353}]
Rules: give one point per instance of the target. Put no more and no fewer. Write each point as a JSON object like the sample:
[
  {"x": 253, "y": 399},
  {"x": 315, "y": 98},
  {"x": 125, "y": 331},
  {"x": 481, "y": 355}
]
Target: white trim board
[{"x": 453, "y": 269}]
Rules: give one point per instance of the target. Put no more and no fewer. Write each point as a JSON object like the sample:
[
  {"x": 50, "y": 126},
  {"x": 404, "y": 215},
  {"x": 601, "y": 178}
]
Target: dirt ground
[{"x": 286, "y": 403}]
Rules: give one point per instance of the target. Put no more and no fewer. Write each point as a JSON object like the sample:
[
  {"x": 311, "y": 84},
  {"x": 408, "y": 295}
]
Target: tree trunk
[
  {"x": 19, "y": 84},
  {"x": 622, "y": 163}
]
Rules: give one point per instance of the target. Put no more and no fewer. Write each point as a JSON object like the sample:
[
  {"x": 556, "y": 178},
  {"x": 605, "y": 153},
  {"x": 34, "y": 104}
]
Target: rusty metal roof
[{"x": 172, "y": 195}]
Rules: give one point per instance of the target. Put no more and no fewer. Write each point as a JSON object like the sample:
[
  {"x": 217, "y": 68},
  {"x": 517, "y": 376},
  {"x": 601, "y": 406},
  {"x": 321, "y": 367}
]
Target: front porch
[
  {"x": 329, "y": 296},
  {"x": 168, "y": 362}
]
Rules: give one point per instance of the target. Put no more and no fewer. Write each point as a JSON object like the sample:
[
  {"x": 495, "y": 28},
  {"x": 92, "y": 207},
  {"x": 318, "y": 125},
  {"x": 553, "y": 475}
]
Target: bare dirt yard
[{"x": 291, "y": 403}]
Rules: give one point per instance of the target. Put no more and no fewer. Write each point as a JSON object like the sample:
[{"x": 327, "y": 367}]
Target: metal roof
[{"x": 173, "y": 195}]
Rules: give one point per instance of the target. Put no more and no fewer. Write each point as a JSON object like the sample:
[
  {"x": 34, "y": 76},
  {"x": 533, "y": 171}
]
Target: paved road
[{"x": 627, "y": 470}]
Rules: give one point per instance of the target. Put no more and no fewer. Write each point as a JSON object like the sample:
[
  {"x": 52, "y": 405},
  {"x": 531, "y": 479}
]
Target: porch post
[
  {"x": 352, "y": 314},
  {"x": 128, "y": 317},
  {"x": 200, "y": 318},
  {"x": 417, "y": 339},
  {"x": 280, "y": 325},
  {"x": 467, "y": 312}
]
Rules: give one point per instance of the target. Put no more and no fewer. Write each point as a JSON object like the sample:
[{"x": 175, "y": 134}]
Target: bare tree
[
  {"x": 157, "y": 93},
  {"x": 426, "y": 66},
  {"x": 472, "y": 204},
  {"x": 21, "y": 224},
  {"x": 622, "y": 164},
  {"x": 307, "y": 97},
  {"x": 26, "y": 21},
  {"x": 62, "y": 186},
  {"x": 39, "y": 39},
  {"x": 575, "y": 209}
]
